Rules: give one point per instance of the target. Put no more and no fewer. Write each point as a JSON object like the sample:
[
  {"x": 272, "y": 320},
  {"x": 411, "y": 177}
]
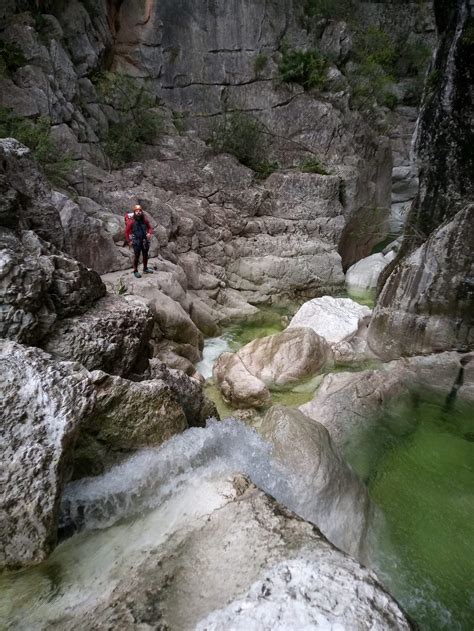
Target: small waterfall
[{"x": 151, "y": 476}]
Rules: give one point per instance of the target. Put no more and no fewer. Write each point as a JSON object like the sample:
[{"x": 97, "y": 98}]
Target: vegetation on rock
[
  {"x": 11, "y": 58},
  {"x": 36, "y": 135},
  {"x": 308, "y": 68},
  {"x": 136, "y": 123}
]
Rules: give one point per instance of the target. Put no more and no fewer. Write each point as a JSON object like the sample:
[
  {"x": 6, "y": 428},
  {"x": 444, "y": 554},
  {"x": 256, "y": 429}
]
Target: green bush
[
  {"x": 308, "y": 68},
  {"x": 331, "y": 9},
  {"x": 36, "y": 134},
  {"x": 136, "y": 124},
  {"x": 242, "y": 136},
  {"x": 259, "y": 63},
  {"x": 11, "y": 58},
  {"x": 266, "y": 168},
  {"x": 313, "y": 165}
]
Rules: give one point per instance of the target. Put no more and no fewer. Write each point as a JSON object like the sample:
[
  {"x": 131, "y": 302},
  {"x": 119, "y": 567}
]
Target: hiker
[{"x": 138, "y": 232}]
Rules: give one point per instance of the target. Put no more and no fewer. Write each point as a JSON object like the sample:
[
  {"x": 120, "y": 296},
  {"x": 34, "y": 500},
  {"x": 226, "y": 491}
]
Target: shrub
[
  {"x": 242, "y": 136},
  {"x": 136, "y": 123},
  {"x": 331, "y": 9},
  {"x": 266, "y": 168},
  {"x": 305, "y": 67},
  {"x": 35, "y": 134},
  {"x": 313, "y": 165},
  {"x": 259, "y": 63},
  {"x": 11, "y": 58}
]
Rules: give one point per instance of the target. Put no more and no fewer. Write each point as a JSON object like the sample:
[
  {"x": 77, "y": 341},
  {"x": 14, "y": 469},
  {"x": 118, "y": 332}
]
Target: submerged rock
[
  {"x": 329, "y": 493},
  {"x": 44, "y": 403},
  {"x": 349, "y": 403}
]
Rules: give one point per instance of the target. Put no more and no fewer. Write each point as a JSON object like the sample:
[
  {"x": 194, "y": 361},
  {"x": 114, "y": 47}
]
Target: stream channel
[{"x": 417, "y": 460}]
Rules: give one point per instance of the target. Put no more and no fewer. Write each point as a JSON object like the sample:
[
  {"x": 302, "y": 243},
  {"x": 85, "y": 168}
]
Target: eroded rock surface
[
  {"x": 270, "y": 363},
  {"x": 329, "y": 493},
  {"x": 112, "y": 336},
  {"x": 44, "y": 402},
  {"x": 234, "y": 520}
]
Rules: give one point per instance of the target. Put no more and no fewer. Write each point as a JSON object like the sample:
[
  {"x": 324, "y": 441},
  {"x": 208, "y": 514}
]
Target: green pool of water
[{"x": 418, "y": 463}]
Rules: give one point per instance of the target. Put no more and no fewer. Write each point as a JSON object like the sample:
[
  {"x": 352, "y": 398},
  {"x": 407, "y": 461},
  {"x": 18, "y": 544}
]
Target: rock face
[
  {"x": 429, "y": 287},
  {"x": 329, "y": 494},
  {"x": 428, "y": 304},
  {"x": 112, "y": 336},
  {"x": 334, "y": 319},
  {"x": 126, "y": 416},
  {"x": 270, "y": 363},
  {"x": 282, "y": 553},
  {"x": 39, "y": 284},
  {"x": 44, "y": 402}
]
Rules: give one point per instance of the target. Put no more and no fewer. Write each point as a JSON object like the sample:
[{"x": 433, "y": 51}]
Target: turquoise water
[{"x": 418, "y": 464}]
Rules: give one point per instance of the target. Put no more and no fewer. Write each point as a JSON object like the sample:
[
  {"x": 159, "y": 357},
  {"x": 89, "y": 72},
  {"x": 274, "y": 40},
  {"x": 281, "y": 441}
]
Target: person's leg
[
  {"x": 146, "y": 249},
  {"x": 136, "y": 258}
]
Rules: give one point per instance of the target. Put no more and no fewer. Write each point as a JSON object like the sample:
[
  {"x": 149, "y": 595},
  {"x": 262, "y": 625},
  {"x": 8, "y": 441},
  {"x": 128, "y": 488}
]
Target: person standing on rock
[{"x": 138, "y": 232}]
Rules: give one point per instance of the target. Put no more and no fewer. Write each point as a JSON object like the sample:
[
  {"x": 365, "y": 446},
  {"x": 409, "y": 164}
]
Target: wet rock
[
  {"x": 128, "y": 415},
  {"x": 363, "y": 275},
  {"x": 329, "y": 494},
  {"x": 233, "y": 520},
  {"x": 348, "y": 404},
  {"x": 334, "y": 319},
  {"x": 427, "y": 302},
  {"x": 44, "y": 403},
  {"x": 112, "y": 336},
  {"x": 270, "y": 363}
]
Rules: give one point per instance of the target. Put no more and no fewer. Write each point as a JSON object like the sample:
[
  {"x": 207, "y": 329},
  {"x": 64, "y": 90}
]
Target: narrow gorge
[{"x": 268, "y": 426}]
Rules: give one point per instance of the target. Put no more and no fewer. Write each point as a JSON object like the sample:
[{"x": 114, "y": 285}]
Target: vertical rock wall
[{"x": 427, "y": 302}]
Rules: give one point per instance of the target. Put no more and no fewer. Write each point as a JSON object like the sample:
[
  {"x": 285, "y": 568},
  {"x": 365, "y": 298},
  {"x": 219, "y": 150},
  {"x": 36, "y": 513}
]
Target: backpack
[{"x": 128, "y": 218}]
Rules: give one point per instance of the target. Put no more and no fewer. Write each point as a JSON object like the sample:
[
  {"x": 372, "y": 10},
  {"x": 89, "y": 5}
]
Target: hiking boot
[
  {"x": 137, "y": 274},
  {"x": 147, "y": 270}
]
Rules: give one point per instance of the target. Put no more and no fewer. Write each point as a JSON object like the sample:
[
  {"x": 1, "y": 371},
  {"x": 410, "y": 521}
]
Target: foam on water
[
  {"x": 213, "y": 347},
  {"x": 151, "y": 476}
]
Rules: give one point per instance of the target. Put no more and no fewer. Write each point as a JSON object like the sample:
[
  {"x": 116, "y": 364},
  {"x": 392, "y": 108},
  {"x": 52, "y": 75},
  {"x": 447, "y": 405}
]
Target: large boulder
[
  {"x": 270, "y": 363},
  {"x": 329, "y": 494},
  {"x": 113, "y": 336},
  {"x": 127, "y": 415},
  {"x": 363, "y": 275},
  {"x": 427, "y": 303},
  {"x": 44, "y": 403},
  {"x": 334, "y": 319},
  {"x": 30, "y": 201},
  {"x": 40, "y": 285}
]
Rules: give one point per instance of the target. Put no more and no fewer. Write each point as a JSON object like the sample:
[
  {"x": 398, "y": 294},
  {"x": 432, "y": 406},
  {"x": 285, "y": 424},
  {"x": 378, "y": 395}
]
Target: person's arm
[
  {"x": 149, "y": 229},
  {"x": 128, "y": 231}
]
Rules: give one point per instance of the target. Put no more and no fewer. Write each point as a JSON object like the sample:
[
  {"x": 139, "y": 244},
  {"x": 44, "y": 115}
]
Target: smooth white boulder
[
  {"x": 364, "y": 274},
  {"x": 334, "y": 319}
]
